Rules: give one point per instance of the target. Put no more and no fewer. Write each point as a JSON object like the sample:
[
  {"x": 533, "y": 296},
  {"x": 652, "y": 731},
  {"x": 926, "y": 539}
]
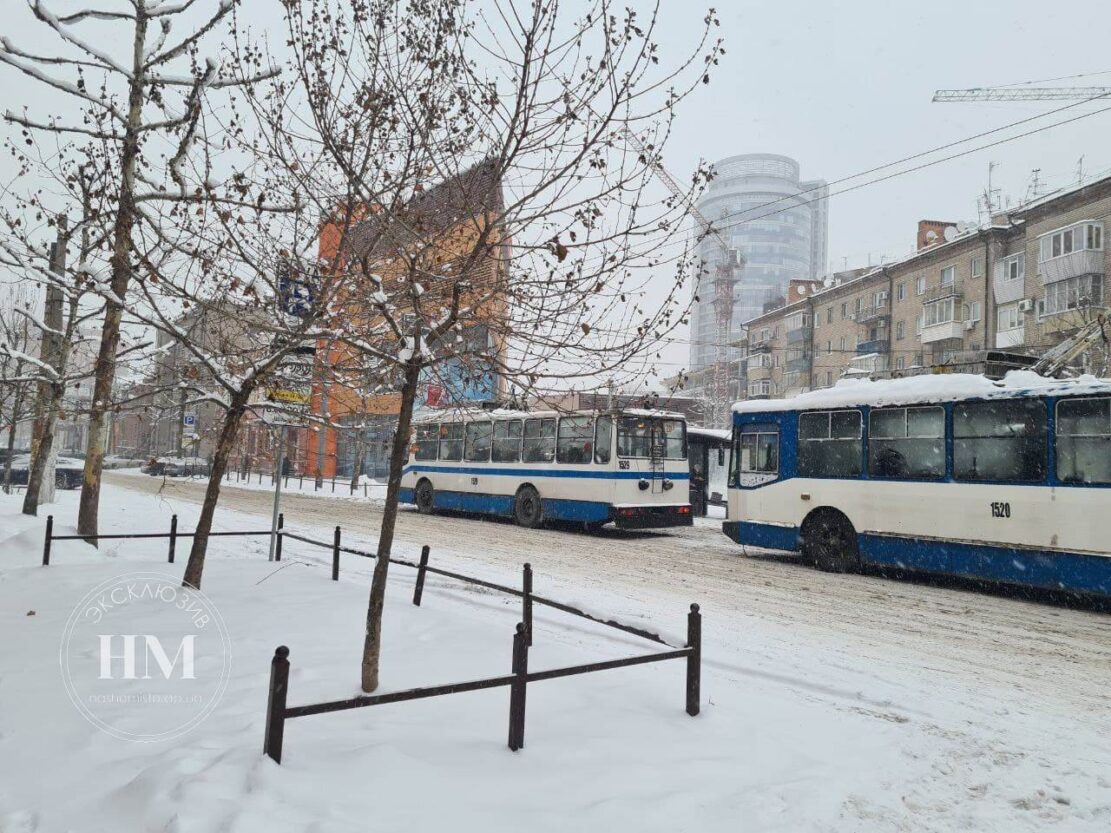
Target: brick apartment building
[{"x": 1022, "y": 284}]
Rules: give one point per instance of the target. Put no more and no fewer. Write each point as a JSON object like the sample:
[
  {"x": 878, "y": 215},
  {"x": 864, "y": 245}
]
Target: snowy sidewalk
[{"x": 607, "y": 751}]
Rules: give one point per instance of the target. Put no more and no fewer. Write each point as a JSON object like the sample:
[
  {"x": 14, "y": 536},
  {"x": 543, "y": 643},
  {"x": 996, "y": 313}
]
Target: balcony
[
  {"x": 955, "y": 290},
  {"x": 879, "y": 345},
  {"x": 1072, "y": 265},
  {"x": 874, "y": 315},
  {"x": 940, "y": 332},
  {"x": 1010, "y": 338},
  {"x": 799, "y": 334},
  {"x": 757, "y": 372},
  {"x": 799, "y": 365},
  {"x": 758, "y": 345}
]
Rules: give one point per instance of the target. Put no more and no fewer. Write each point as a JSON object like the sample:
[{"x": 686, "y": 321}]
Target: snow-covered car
[
  {"x": 68, "y": 471},
  {"x": 121, "y": 461},
  {"x": 176, "y": 466}
]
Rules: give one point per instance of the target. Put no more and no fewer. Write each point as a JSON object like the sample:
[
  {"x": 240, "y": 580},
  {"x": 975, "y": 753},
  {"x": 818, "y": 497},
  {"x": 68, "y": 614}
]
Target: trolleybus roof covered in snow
[
  {"x": 952, "y": 387},
  {"x": 457, "y": 414}
]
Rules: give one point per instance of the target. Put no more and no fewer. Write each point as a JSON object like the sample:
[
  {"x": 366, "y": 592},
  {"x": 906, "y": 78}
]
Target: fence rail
[
  {"x": 277, "y": 710},
  {"x": 519, "y": 678}
]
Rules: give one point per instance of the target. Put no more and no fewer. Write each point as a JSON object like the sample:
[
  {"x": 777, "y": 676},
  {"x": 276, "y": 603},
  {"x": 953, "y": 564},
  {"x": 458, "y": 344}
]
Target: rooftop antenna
[{"x": 1080, "y": 170}]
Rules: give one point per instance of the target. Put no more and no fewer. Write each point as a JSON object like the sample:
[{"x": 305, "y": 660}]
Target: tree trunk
[
  {"x": 17, "y": 407},
  {"x": 372, "y": 645},
  {"x": 42, "y": 451},
  {"x": 105, "y": 369},
  {"x": 195, "y": 568}
]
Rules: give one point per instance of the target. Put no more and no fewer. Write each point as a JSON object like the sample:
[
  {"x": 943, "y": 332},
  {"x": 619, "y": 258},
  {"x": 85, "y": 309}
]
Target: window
[
  {"x": 479, "y": 436},
  {"x": 426, "y": 442},
  {"x": 1084, "y": 440},
  {"x": 829, "y": 378},
  {"x": 829, "y": 346},
  {"x": 918, "y": 324},
  {"x": 842, "y": 344},
  {"x": 829, "y": 315},
  {"x": 1009, "y": 317},
  {"x": 796, "y": 321},
  {"x": 1065, "y": 241},
  {"x": 576, "y": 440},
  {"x": 907, "y": 443},
  {"x": 759, "y": 450},
  {"x": 900, "y": 330},
  {"x": 939, "y": 312},
  {"x": 977, "y": 267},
  {"x": 1012, "y": 268},
  {"x": 917, "y": 360},
  {"x": 972, "y": 311},
  {"x": 645, "y": 436},
  {"x": 859, "y": 304},
  {"x": 920, "y": 285},
  {"x": 1073, "y": 293},
  {"x": 507, "y": 442},
  {"x": 671, "y": 438},
  {"x": 879, "y": 299},
  {"x": 451, "y": 441},
  {"x": 901, "y": 292},
  {"x": 948, "y": 274},
  {"x": 844, "y": 311},
  {"x": 1094, "y": 236},
  {"x": 830, "y": 444},
  {"x": 1003, "y": 440},
  {"x": 539, "y": 441},
  {"x": 760, "y": 388},
  {"x": 603, "y": 440},
  {"x": 900, "y": 363}
]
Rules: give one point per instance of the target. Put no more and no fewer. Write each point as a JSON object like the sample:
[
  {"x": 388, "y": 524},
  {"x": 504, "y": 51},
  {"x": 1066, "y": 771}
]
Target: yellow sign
[{"x": 291, "y": 397}]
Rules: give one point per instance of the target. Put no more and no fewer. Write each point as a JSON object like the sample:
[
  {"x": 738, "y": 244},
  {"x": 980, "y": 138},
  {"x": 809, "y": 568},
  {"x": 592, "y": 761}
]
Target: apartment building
[{"x": 1022, "y": 284}]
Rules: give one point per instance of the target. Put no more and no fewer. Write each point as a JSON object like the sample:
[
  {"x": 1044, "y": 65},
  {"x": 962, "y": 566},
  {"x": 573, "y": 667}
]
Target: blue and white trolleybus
[
  {"x": 626, "y": 466},
  {"x": 1005, "y": 481}
]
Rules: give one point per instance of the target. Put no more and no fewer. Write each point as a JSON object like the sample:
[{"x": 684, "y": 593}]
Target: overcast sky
[{"x": 845, "y": 86}]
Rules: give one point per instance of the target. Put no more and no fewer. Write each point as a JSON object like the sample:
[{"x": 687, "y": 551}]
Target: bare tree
[
  {"x": 143, "y": 102},
  {"x": 519, "y": 247},
  {"x": 16, "y": 385}
]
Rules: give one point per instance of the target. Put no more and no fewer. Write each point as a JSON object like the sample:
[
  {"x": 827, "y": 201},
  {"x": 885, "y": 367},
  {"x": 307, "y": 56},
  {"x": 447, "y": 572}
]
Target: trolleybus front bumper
[{"x": 649, "y": 517}]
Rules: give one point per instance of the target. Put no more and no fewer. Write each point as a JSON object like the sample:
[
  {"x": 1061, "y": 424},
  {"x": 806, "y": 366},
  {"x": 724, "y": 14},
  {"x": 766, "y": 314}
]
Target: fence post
[
  {"x": 278, "y": 544},
  {"x": 526, "y": 601},
  {"x": 517, "y": 689},
  {"x": 275, "y": 704},
  {"x": 46, "y": 543},
  {"x": 333, "y": 484},
  {"x": 418, "y": 591},
  {"x": 173, "y": 537},
  {"x": 694, "y": 660},
  {"x": 335, "y": 556}
]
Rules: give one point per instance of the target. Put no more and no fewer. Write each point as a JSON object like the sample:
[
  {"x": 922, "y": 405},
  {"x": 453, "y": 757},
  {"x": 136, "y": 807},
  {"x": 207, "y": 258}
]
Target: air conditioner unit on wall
[
  {"x": 1026, "y": 305},
  {"x": 970, "y": 325}
]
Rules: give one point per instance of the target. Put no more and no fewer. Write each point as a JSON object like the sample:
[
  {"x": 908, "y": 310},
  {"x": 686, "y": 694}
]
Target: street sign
[
  {"x": 292, "y": 383},
  {"x": 189, "y": 420},
  {"x": 296, "y": 292}
]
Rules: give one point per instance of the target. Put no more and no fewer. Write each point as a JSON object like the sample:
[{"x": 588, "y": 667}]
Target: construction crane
[
  {"x": 1021, "y": 94},
  {"x": 729, "y": 265},
  {"x": 1057, "y": 360}
]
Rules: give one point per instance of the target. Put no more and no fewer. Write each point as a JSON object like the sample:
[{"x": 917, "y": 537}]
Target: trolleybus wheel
[
  {"x": 424, "y": 498},
  {"x": 829, "y": 542},
  {"x": 528, "y": 509}
]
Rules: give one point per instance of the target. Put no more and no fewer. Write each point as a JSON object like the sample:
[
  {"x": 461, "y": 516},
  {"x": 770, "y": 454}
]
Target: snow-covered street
[{"x": 829, "y": 702}]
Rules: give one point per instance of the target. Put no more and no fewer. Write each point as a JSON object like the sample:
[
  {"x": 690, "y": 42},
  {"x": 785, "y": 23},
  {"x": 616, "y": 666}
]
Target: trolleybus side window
[
  {"x": 426, "y": 442},
  {"x": 906, "y": 442},
  {"x": 576, "y": 439},
  {"x": 451, "y": 441},
  {"x": 603, "y": 440},
  {"x": 477, "y": 449},
  {"x": 1084, "y": 440},
  {"x": 830, "y": 444},
  {"x": 539, "y": 445},
  {"x": 1001, "y": 440},
  {"x": 507, "y": 441}
]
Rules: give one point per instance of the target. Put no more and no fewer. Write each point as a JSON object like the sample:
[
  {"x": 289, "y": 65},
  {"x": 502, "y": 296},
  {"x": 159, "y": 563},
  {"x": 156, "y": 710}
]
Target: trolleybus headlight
[
  {"x": 643, "y": 485},
  {"x": 667, "y": 484}
]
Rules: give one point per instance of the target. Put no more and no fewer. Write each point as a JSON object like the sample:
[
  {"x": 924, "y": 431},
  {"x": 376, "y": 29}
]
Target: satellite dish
[
  {"x": 951, "y": 233},
  {"x": 803, "y": 289},
  {"x": 931, "y": 236}
]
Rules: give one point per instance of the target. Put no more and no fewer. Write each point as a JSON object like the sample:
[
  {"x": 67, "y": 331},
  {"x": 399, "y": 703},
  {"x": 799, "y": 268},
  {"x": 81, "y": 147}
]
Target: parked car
[
  {"x": 68, "y": 471},
  {"x": 121, "y": 461},
  {"x": 176, "y": 466}
]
